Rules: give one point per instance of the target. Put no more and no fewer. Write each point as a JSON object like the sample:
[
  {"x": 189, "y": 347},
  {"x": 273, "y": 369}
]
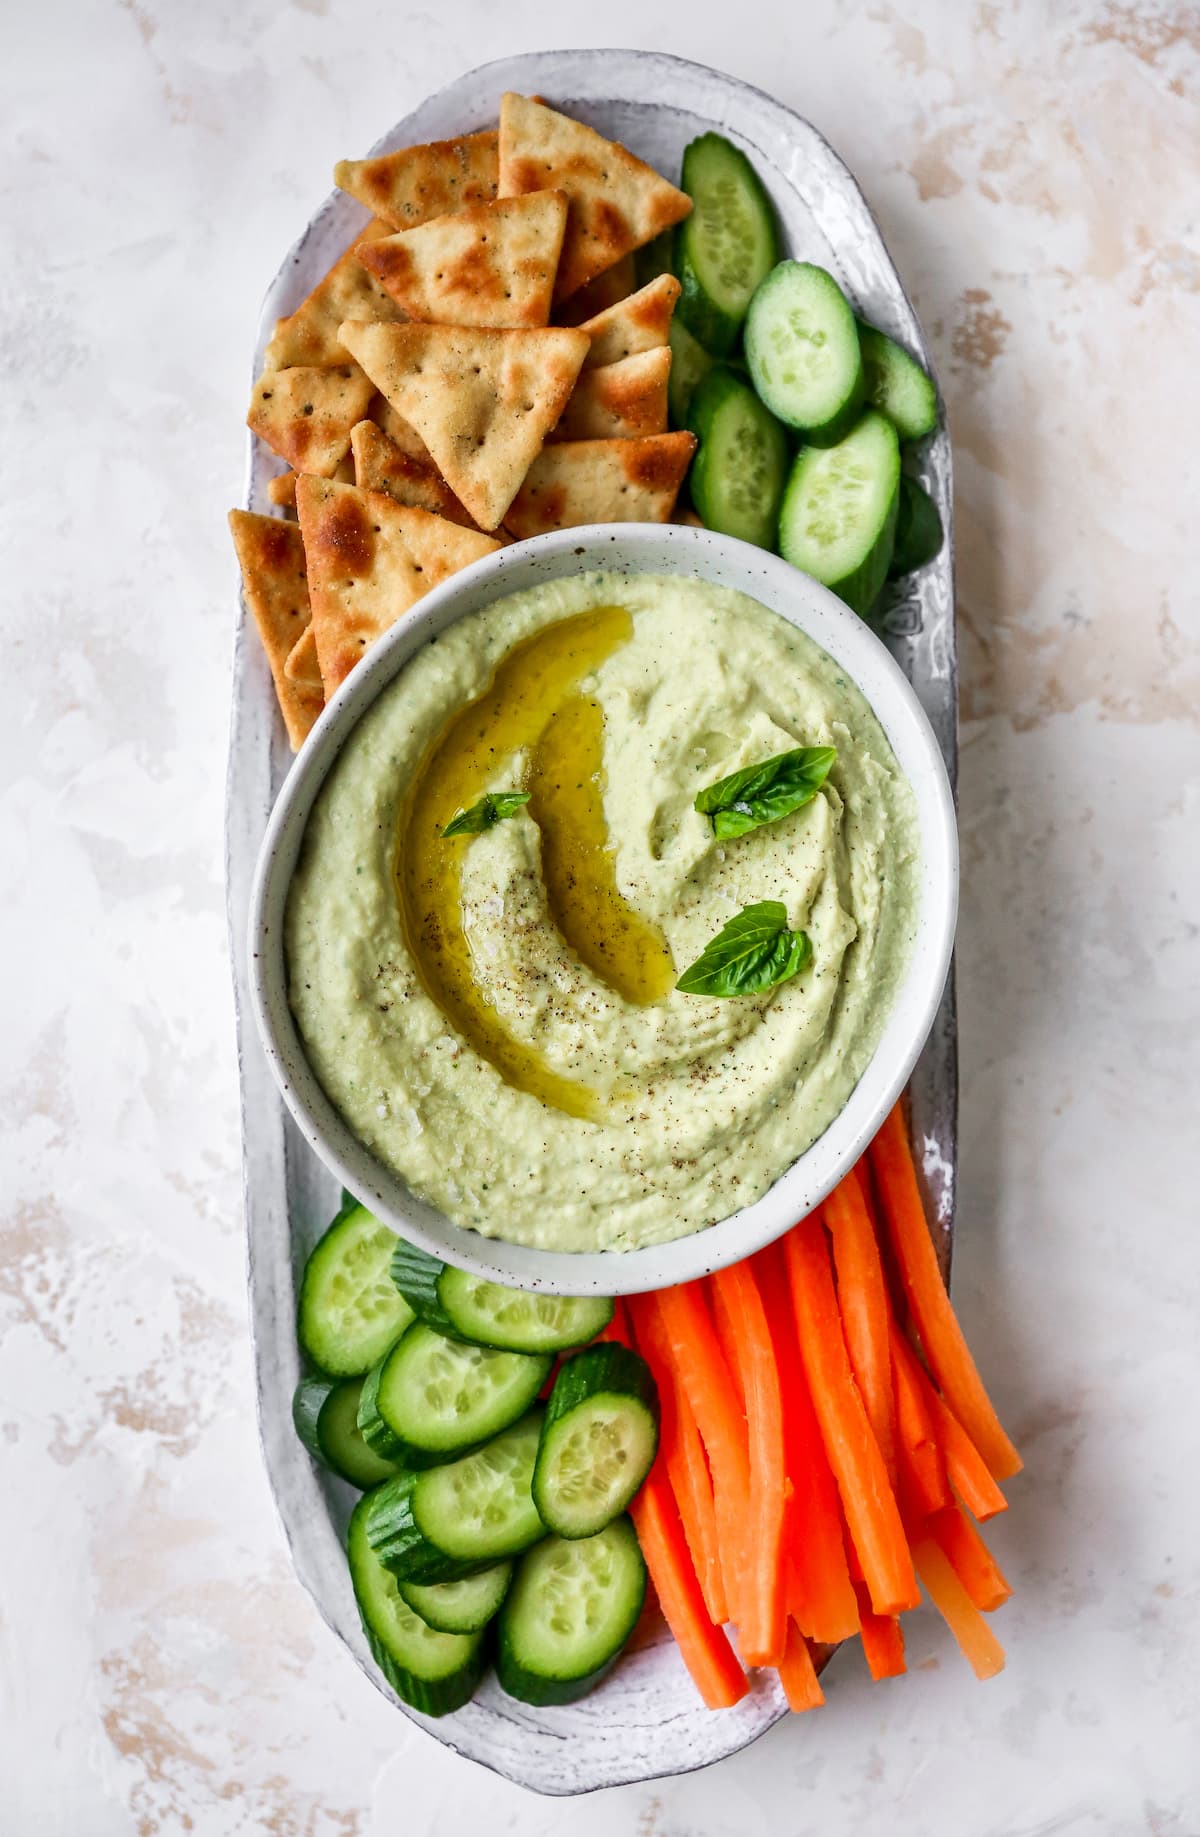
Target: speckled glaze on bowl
[{"x": 646, "y": 1720}]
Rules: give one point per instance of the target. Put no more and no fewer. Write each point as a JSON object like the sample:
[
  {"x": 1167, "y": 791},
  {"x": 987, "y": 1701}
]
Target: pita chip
[
  {"x": 282, "y": 490},
  {"x": 601, "y": 481},
  {"x": 380, "y": 465},
  {"x": 348, "y": 291},
  {"x": 369, "y": 560},
  {"x": 271, "y": 556},
  {"x": 302, "y": 667},
  {"x": 616, "y": 283},
  {"x": 398, "y": 429},
  {"x": 619, "y": 401},
  {"x": 617, "y": 202},
  {"x": 642, "y": 322},
  {"x": 490, "y": 264},
  {"x": 482, "y": 400},
  {"x": 417, "y": 183},
  {"x": 305, "y": 414}
]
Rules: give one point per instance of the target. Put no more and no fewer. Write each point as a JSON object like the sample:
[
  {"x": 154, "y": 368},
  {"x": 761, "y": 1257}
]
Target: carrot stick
[
  {"x": 965, "y": 1465},
  {"x": 882, "y": 1639},
  {"x": 870, "y": 1506},
  {"x": 727, "y": 1341},
  {"x": 704, "y": 1647},
  {"x": 618, "y": 1327},
  {"x": 704, "y": 1378},
  {"x": 820, "y": 1596},
  {"x": 681, "y": 1448},
  {"x": 865, "y": 1308},
  {"x": 979, "y": 1644},
  {"x": 969, "y": 1557},
  {"x": 762, "y": 1630},
  {"x": 941, "y": 1336},
  {"x": 920, "y": 1452},
  {"x": 797, "y": 1673}
]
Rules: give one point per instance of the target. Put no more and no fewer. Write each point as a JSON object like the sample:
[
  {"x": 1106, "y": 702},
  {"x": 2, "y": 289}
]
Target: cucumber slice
[
  {"x": 728, "y": 244},
  {"x": 460, "y": 1607},
  {"x": 803, "y": 352},
  {"x": 450, "y": 1522},
  {"x": 919, "y": 533},
  {"x": 509, "y": 1319},
  {"x": 350, "y": 1310},
  {"x": 434, "y": 1671},
  {"x": 738, "y": 474},
  {"x": 896, "y": 384},
  {"x": 690, "y": 363},
  {"x": 432, "y": 1397},
  {"x": 571, "y": 1608},
  {"x": 325, "y": 1412},
  {"x": 598, "y": 1441},
  {"x": 838, "y": 519}
]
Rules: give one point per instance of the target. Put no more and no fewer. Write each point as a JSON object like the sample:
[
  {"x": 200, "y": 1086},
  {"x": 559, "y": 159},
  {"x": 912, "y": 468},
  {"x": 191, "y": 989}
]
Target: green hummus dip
[{"x": 495, "y": 1015}]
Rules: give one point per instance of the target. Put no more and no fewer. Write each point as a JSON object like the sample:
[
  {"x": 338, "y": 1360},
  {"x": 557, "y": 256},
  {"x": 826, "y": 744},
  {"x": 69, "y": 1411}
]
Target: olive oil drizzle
[{"x": 535, "y": 684}]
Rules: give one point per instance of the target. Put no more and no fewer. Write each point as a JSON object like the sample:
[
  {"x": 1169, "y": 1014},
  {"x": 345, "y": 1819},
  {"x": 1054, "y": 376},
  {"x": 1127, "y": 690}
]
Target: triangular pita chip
[
  {"x": 617, "y": 202},
  {"x": 491, "y": 264},
  {"x": 421, "y": 182},
  {"x": 482, "y": 400},
  {"x": 642, "y": 322},
  {"x": 616, "y": 283},
  {"x": 348, "y": 291},
  {"x": 369, "y": 560},
  {"x": 619, "y": 401},
  {"x": 282, "y": 490},
  {"x": 271, "y": 556},
  {"x": 305, "y": 414},
  {"x": 380, "y": 465},
  {"x": 601, "y": 481},
  {"x": 302, "y": 666},
  {"x": 398, "y": 429}
]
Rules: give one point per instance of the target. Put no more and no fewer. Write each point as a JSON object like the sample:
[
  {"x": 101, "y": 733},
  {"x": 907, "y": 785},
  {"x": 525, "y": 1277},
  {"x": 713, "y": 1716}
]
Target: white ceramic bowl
[{"x": 635, "y": 548}]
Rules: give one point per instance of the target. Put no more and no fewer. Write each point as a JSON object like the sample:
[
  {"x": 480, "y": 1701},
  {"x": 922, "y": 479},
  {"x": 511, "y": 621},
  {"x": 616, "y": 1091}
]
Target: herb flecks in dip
[{"x": 495, "y": 1013}]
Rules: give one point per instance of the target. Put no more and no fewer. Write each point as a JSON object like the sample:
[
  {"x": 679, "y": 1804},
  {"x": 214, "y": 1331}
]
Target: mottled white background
[{"x": 1035, "y": 169}]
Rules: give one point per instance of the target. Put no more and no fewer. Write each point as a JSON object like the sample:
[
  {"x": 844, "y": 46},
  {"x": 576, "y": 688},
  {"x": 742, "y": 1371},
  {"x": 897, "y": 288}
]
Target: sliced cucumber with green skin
[
  {"x": 838, "y": 519},
  {"x": 598, "y": 1441},
  {"x": 350, "y": 1310},
  {"x": 449, "y": 1522},
  {"x": 434, "y": 1671},
  {"x": 325, "y": 1412},
  {"x": 740, "y": 468},
  {"x": 460, "y": 1607},
  {"x": 570, "y": 1610},
  {"x": 896, "y": 384},
  {"x": 728, "y": 244},
  {"x": 803, "y": 351},
  {"x": 485, "y": 1313},
  {"x": 433, "y": 1397},
  {"x": 919, "y": 533},
  {"x": 690, "y": 364}
]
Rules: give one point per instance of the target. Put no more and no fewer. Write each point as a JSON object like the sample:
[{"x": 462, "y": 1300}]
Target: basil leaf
[
  {"x": 491, "y": 809},
  {"x": 764, "y": 793},
  {"x": 753, "y": 953}
]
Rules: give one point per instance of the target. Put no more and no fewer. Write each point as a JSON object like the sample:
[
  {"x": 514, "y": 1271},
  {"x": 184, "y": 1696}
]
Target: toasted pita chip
[
  {"x": 348, "y": 291},
  {"x": 271, "y": 556},
  {"x": 380, "y": 465},
  {"x": 619, "y": 401},
  {"x": 305, "y": 414},
  {"x": 417, "y": 183},
  {"x": 491, "y": 264},
  {"x": 369, "y": 560},
  {"x": 608, "y": 289},
  {"x": 689, "y": 519},
  {"x": 601, "y": 481},
  {"x": 483, "y": 401},
  {"x": 282, "y": 490},
  {"x": 302, "y": 667},
  {"x": 641, "y": 322},
  {"x": 617, "y": 202},
  {"x": 398, "y": 429}
]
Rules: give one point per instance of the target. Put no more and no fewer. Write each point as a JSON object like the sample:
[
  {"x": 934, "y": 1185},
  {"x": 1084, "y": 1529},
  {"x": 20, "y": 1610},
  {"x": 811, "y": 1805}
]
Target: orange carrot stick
[
  {"x": 965, "y": 1465},
  {"x": 704, "y": 1647},
  {"x": 704, "y": 1378},
  {"x": 820, "y": 1596},
  {"x": 865, "y": 1308},
  {"x": 727, "y": 1341},
  {"x": 920, "y": 1452},
  {"x": 969, "y": 1557},
  {"x": 797, "y": 1673},
  {"x": 872, "y": 1514},
  {"x": 762, "y": 1629},
  {"x": 882, "y": 1639},
  {"x": 941, "y": 1336},
  {"x": 979, "y": 1644},
  {"x": 687, "y": 1467}
]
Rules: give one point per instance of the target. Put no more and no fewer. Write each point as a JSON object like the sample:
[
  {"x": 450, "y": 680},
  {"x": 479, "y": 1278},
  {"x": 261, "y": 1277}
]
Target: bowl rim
[{"x": 845, "y": 637}]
